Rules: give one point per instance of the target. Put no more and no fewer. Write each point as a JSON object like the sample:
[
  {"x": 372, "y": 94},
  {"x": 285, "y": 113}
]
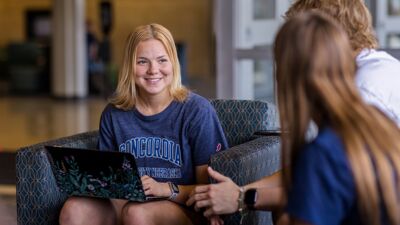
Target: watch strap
[
  {"x": 241, "y": 205},
  {"x": 174, "y": 190}
]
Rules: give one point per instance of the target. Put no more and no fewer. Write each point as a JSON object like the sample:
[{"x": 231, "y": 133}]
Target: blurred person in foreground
[{"x": 349, "y": 174}]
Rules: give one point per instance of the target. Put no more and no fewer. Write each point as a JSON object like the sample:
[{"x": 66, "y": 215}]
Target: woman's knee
[
  {"x": 77, "y": 210},
  {"x": 157, "y": 212},
  {"x": 135, "y": 214},
  {"x": 71, "y": 211}
]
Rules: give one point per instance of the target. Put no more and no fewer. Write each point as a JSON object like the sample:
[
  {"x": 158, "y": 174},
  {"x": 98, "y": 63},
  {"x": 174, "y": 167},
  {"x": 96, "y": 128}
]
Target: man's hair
[
  {"x": 126, "y": 94},
  {"x": 352, "y": 15}
]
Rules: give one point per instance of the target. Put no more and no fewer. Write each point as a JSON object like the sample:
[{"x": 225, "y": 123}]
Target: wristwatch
[
  {"x": 241, "y": 204},
  {"x": 174, "y": 190},
  {"x": 250, "y": 198}
]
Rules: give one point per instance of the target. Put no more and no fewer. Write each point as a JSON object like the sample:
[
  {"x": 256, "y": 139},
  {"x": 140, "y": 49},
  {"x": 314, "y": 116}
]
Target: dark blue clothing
[
  {"x": 323, "y": 191},
  {"x": 169, "y": 145}
]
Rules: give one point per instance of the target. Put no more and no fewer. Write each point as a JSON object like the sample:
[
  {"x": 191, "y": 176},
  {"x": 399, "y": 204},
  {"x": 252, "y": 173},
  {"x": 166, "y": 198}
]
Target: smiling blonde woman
[{"x": 170, "y": 131}]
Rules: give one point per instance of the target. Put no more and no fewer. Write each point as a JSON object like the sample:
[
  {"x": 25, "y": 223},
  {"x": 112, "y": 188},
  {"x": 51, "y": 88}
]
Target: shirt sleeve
[
  {"x": 373, "y": 97},
  {"x": 322, "y": 190},
  {"x": 206, "y": 135},
  {"x": 106, "y": 135}
]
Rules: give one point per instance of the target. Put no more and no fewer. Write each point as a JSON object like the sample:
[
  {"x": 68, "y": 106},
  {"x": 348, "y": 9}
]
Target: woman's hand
[
  {"x": 153, "y": 188},
  {"x": 217, "y": 199}
]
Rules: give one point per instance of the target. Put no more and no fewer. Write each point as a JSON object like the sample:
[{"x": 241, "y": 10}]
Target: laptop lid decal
[{"x": 96, "y": 173}]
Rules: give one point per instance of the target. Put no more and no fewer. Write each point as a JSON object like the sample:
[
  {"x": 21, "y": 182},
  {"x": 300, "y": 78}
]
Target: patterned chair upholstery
[
  {"x": 250, "y": 158},
  {"x": 241, "y": 118},
  {"x": 38, "y": 199}
]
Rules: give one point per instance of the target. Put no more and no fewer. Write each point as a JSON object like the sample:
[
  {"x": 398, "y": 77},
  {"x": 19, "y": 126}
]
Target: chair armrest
[
  {"x": 38, "y": 198},
  {"x": 247, "y": 163}
]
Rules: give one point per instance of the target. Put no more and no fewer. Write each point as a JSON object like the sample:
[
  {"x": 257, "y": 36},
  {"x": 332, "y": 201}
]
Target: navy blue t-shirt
[
  {"x": 169, "y": 145},
  {"x": 323, "y": 191}
]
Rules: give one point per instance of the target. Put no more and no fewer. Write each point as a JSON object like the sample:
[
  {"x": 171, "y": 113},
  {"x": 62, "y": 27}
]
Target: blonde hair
[
  {"x": 352, "y": 15},
  {"x": 315, "y": 79},
  {"x": 125, "y": 96}
]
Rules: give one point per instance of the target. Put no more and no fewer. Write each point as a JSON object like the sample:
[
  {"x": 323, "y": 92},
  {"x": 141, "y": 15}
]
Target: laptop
[{"x": 94, "y": 173}]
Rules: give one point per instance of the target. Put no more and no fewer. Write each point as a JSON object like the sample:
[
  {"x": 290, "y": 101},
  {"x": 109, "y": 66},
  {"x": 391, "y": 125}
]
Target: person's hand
[
  {"x": 220, "y": 198},
  {"x": 216, "y": 220},
  {"x": 153, "y": 188}
]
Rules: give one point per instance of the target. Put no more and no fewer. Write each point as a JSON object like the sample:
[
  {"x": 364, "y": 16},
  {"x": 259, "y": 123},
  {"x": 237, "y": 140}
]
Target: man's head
[{"x": 352, "y": 15}]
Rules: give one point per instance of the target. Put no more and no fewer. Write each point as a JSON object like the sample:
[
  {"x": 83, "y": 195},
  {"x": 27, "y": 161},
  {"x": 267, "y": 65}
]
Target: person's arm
[
  {"x": 217, "y": 198},
  {"x": 272, "y": 181},
  {"x": 269, "y": 192},
  {"x": 185, "y": 190},
  {"x": 222, "y": 197},
  {"x": 269, "y": 199},
  {"x": 162, "y": 189}
]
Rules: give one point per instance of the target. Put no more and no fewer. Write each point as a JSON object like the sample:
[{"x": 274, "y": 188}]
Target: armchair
[
  {"x": 249, "y": 158},
  {"x": 38, "y": 199}
]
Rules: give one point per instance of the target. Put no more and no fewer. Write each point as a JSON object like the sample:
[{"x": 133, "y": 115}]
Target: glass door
[{"x": 257, "y": 23}]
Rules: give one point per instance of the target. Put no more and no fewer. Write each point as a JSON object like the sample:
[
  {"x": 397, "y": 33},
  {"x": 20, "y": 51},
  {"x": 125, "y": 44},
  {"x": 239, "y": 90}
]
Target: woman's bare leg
[
  {"x": 83, "y": 211},
  {"x": 159, "y": 213}
]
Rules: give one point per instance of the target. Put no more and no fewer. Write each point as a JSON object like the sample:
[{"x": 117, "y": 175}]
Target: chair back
[{"x": 241, "y": 118}]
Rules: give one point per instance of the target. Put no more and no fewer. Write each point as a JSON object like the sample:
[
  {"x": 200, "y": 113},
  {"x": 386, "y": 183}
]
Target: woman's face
[{"x": 154, "y": 70}]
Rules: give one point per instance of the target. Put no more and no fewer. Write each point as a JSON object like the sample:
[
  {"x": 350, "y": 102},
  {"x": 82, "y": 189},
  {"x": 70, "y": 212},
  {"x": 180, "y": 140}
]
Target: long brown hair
[
  {"x": 352, "y": 15},
  {"x": 315, "y": 78},
  {"x": 125, "y": 96}
]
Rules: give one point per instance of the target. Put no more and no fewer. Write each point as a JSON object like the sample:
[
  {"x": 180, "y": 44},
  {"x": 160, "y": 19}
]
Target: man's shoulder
[
  {"x": 377, "y": 68},
  {"x": 375, "y": 60}
]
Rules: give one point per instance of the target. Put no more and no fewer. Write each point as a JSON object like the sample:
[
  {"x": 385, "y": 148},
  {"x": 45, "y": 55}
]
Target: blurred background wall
[{"x": 189, "y": 21}]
